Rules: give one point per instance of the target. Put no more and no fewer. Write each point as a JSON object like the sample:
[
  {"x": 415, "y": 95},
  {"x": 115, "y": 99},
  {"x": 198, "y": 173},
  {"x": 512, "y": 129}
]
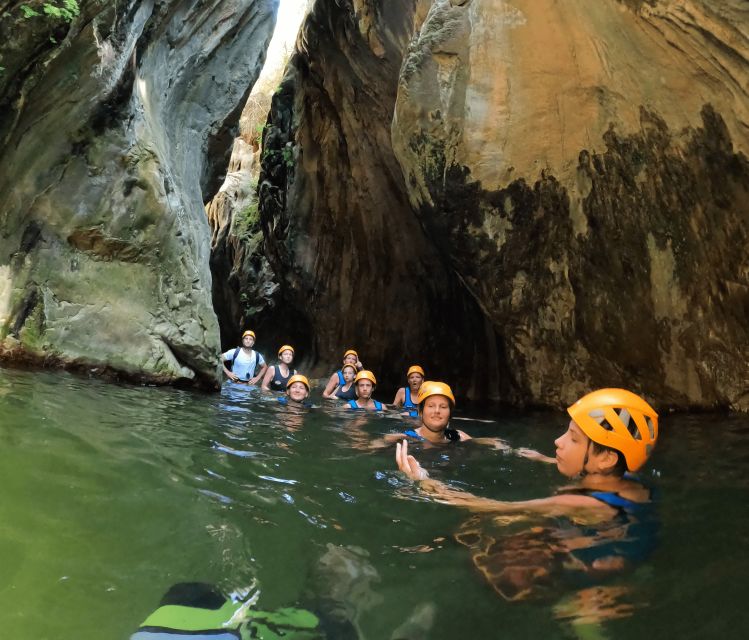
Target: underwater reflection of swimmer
[{"x": 602, "y": 525}]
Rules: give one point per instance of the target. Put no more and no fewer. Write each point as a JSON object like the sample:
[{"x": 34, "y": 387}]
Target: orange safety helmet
[
  {"x": 365, "y": 375},
  {"x": 431, "y": 388},
  {"x": 248, "y": 333},
  {"x": 298, "y": 378},
  {"x": 415, "y": 369},
  {"x": 352, "y": 353},
  {"x": 347, "y": 365},
  {"x": 286, "y": 347},
  {"x": 604, "y": 416}
]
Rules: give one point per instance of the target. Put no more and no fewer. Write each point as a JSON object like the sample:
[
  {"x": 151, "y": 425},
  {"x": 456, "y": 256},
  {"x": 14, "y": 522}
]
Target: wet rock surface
[
  {"x": 339, "y": 233},
  {"x": 113, "y": 129},
  {"x": 585, "y": 170}
]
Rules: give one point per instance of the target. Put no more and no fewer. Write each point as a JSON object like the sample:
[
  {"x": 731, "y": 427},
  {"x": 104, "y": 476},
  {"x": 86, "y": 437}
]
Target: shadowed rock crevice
[{"x": 339, "y": 233}]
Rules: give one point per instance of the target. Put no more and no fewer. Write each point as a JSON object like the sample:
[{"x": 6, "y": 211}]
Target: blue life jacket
[
  {"x": 412, "y": 434},
  {"x": 341, "y": 379},
  {"x": 409, "y": 404},
  {"x": 639, "y": 523},
  {"x": 352, "y": 404}
]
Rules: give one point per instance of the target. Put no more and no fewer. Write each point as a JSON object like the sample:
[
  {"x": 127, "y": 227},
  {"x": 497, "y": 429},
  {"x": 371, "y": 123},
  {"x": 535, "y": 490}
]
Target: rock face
[
  {"x": 584, "y": 166},
  {"x": 342, "y": 239},
  {"x": 113, "y": 129}
]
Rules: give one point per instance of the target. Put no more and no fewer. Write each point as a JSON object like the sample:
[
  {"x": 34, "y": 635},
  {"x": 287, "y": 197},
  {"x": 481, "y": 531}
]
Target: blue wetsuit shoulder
[{"x": 412, "y": 434}]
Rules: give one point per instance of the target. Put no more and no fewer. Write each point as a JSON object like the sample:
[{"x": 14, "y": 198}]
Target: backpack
[{"x": 234, "y": 357}]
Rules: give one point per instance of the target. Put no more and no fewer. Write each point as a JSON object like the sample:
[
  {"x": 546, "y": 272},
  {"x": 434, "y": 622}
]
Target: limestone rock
[
  {"x": 584, "y": 166},
  {"x": 112, "y": 133},
  {"x": 339, "y": 233}
]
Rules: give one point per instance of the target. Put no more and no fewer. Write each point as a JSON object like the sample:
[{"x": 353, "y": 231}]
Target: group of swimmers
[
  {"x": 610, "y": 435},
  {"x": 352, "y": 383}
]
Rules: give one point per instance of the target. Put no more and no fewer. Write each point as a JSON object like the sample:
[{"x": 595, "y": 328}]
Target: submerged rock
[{"x": 113, "y": 129}]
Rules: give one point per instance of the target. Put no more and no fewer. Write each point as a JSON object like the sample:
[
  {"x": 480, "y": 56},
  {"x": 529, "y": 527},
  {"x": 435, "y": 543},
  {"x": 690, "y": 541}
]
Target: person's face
[
  {"x": 348, "y": 374},
  {"x": 287, "y": 356},
  {"x": 297, "y": 391},
  {"x": 248, "y": 341},
  {"x": 349, "y": 359},
  {"x": 436, "y": 413},
  {"x": 415, "y": 380},
  {"x": 571, "y": 446},
  {"x": 364, "y": 389}
]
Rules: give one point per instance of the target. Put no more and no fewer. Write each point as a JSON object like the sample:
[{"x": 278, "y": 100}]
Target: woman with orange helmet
[
  {"x": 277, "y": 376},
  {"x": 365, "y": 383},
  {"x": 346, "y": 391},
  {"x": 336, "y": 379},
  {"x": 436, "y": 404},
  {"x": 405, "y": 396},
  {"x": 611, "y": 431},
  {"x": 297, "y": 391}
]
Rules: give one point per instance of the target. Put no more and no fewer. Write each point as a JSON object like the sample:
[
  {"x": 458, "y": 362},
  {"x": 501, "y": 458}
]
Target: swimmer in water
[
  {"x": 365, "y": 383},
  {"x": 405, "y": 396},
  {"x": 346, "y": 391},
  {"x": 278, "y": 375},
  {"x": 611, "y": 433},
  {"x": 243, "y": 362},
  {"x": 297, "y": 391},
  {"x": 436, "y": 404},
  {"x": 337, "y": 379}
]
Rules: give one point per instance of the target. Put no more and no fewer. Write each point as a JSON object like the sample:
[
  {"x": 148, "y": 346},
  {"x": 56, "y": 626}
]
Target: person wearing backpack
[{"x": 244, "y": 364}]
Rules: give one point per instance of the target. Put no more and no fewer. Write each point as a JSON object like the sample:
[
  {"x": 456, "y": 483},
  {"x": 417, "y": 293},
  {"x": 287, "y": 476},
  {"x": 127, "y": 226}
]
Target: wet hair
[
  {"x": 200, "y": 595},
  {"x": 452, "y": 434},
  {"x": 620, "y": 468}
]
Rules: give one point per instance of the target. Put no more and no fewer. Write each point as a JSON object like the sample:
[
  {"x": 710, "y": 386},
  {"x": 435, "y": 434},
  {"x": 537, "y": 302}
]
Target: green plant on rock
[
  {"x": 59, "y": 9},
  {"x": 288, "y": 157},
  {"x": 246, "y": 221}
]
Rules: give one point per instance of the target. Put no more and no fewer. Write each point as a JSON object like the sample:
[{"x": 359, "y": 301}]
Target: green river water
[{"x": 110, "y": 494}]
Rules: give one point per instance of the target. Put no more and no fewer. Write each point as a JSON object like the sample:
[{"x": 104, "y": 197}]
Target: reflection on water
[{"x": 111, "y": 494}]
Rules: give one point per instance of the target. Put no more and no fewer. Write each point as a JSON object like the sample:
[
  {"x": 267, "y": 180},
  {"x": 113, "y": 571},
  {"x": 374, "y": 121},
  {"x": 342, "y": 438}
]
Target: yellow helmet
[
  {"x": 286, "y": 347},
  {"x": 298, "y": 378},
  {"x": 351, "y": 352},
  {"x": 415, "y": 369},
  {"x": 248, "y": 333},
  {"x": 606, "y": 416},
  {"x": 348, "y": 365},
  {"x": 431, "y": 388},
  {"x": 365, "y": 375}
]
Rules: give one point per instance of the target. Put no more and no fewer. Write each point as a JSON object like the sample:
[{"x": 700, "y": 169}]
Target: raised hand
[{"x": 408, "y": 464}]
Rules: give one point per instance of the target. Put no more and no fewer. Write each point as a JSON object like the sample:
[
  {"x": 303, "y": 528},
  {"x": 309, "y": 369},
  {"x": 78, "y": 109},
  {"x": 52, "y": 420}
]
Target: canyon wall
[
  {"x": 115, "y": 127},
  {"x": 584, "y": 167}
]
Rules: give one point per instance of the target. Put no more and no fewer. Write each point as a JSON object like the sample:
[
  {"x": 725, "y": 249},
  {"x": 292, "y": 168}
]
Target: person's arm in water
[
  {"x": 330, "y": 388},
  {"x": 532, "y": 454},
  {"x": 268, "y": 377},
  {"x": 229, "y": 374},
  {"x": 568, "y": 504}
]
